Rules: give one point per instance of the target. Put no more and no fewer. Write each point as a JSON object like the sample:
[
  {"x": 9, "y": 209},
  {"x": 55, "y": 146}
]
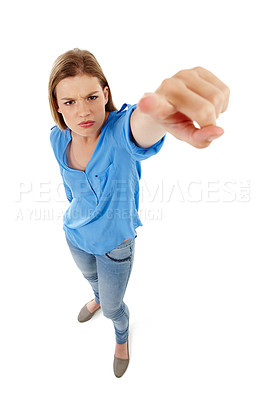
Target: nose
[{"x": 83, "y": 108}]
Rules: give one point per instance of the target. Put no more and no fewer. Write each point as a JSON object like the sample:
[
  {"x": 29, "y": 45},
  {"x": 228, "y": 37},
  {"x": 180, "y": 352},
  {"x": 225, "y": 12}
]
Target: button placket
[{"x": 97, "y": 199}]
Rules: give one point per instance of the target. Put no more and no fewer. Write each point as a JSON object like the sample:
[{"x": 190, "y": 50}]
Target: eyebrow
[{"x": 88, "y": 95}]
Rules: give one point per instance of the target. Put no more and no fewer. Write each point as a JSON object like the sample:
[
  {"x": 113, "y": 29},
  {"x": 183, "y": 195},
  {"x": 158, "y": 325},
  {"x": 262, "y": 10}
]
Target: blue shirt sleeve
[
  {"x": 67, "y": 188},
  {"x": 55, "y": 143},
  {"x": 127, "y": 139}
]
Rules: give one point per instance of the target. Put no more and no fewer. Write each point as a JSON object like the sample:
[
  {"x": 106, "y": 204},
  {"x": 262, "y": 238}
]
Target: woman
[{"x": 99, "y": 150}]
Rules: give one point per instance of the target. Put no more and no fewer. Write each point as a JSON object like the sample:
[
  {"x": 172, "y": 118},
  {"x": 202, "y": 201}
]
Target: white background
[{"x": 197, "y": 290}]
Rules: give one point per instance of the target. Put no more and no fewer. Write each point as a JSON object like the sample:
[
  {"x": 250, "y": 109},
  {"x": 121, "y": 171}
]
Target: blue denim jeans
[{"x": 108, "y": 275}]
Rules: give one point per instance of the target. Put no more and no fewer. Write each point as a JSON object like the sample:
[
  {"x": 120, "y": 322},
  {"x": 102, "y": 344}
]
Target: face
[{"x": 81, "y": 101}]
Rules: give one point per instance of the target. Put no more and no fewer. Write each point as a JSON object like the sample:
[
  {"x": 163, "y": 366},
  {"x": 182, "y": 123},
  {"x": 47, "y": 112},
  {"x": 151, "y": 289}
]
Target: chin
[{"x": 85, "y": 132}]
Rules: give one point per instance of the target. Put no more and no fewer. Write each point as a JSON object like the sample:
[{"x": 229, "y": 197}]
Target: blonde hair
[{"x": 72, "y": 63}]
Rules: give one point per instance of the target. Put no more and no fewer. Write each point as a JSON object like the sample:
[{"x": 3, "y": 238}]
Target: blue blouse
[{"x": 104, "y": 199}]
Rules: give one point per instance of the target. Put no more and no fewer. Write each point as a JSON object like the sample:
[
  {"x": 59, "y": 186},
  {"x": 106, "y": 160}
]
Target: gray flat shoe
[
  {"x": 120, "y": 365},
  {"x": 85, "y": 314}
]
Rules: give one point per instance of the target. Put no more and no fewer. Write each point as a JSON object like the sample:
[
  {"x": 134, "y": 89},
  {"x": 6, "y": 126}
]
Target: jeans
[{"x": 108, "y": 275}]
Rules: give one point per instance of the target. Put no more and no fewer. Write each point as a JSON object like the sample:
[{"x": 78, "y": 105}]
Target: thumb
[
  {"x": 204, "y": 136},
  {"x": 156, "y": 106}
]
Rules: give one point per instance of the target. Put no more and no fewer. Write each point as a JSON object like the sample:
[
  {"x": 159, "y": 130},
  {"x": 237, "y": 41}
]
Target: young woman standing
[{"x": 99, "y": 150}]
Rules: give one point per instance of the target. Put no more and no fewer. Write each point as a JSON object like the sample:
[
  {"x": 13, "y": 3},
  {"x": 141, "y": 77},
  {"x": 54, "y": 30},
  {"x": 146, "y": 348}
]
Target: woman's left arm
[{"x": 190, "y": 95}]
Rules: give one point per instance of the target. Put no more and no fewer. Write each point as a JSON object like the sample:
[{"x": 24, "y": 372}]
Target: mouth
[{"x": 86, "y": 124}]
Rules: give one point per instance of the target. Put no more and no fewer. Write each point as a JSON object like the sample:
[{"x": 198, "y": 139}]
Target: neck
[{"x": 85, "y": 140}]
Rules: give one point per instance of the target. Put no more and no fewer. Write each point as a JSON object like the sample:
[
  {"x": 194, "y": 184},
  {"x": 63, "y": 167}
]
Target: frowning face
[{"x": 81, "y": 101}]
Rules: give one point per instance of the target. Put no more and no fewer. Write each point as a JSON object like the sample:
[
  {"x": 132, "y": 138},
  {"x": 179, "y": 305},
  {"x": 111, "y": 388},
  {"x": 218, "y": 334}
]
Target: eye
[
  {"x": 93, "y": 97},
  {"x": 68, "y": 103}
]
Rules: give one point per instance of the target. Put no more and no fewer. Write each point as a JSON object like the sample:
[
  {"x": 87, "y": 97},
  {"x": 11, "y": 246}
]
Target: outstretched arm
[{"x": 190, "y": 95}]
